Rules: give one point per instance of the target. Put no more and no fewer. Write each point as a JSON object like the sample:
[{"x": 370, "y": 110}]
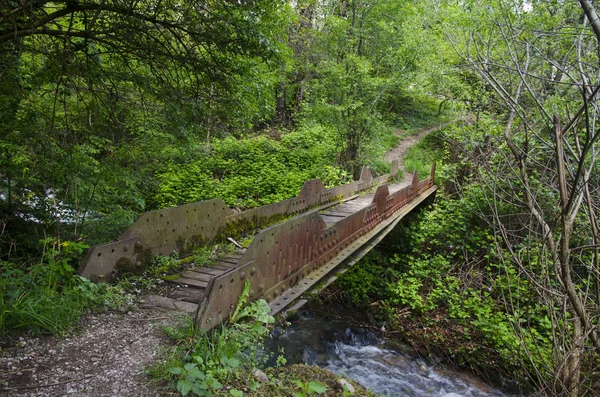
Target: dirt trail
[
  {"x": 399, "y": 151},
  {"x": 107, "y": 357}
]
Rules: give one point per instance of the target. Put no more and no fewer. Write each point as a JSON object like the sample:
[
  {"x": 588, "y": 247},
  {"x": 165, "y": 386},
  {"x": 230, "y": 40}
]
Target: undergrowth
[
  {"x": 47, "y": 296},
  {"x": 427, "y": 151},
  {"x": 201, "y": 363}
]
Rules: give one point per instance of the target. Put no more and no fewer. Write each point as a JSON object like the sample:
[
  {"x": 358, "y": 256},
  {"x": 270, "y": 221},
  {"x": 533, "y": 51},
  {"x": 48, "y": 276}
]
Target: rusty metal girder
[
  {"x": 281, "y": 257},
  {"x": 275, "y": 261},
  {"x": 180, "y": 229},
  {"x": 156, "y": 233},
  {"x": 348, "y": 256},
  {"x": 100, "y": 260},
  {"x": 398, "y": 199}
]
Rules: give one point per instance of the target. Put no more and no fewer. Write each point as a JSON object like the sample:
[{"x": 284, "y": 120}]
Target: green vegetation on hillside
[
  {"x": 112, "y": 110},
  {"x": 109, "y": 109},
  {"x": 501, "y": 273}
]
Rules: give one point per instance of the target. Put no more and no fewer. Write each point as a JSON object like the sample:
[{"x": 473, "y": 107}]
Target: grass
[
  {"x": 413, "y": 113},
  {"x": 204, "y": 362},
  {"x": 47, "y": 296},
  {"x": 420, "y": 156}
]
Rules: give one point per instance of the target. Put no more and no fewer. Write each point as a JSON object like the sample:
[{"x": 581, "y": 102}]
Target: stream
[{"x": 363, "y": 356}]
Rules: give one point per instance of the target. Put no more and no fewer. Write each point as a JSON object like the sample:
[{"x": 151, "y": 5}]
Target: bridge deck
[
  {"x": 338, "y": 212},
  {"x": 186, "y": 292}
]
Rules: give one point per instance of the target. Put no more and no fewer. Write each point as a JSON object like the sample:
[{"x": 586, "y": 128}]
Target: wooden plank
[
  {"x": 207, "y": 270},
  {"x": 190, "y": 292},
  {"x": 348, "y": 207},
  {"x": 222, "y": 265},
  {"x": 197, "y": 275},
  {"x": 330, "y": 220},
  {"x": 170, "y": 304},
  {"x": 337, "y": 214},
  {"x": 194, "y": 295},
  {"x": 340, "y": 211},
  {"x": 191, "y": 281},
  {"x": 355, "y": 204}
]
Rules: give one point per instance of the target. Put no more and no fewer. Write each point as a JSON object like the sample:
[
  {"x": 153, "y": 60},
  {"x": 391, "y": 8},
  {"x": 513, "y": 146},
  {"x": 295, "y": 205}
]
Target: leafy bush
[
  {"x": 254, "y": 171},
  {"x": 213, "y": 358},
  {"x": 48, "y": 296}
]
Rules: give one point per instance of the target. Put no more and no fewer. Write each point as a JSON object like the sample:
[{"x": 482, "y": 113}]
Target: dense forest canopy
[
  {"x": 104, "y": 101},
  {"x": 112, "y": 108}
]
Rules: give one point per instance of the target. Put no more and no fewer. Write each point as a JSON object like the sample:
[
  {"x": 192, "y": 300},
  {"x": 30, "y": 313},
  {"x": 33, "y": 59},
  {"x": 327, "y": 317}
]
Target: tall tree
[{"x": 97, "y": 95}]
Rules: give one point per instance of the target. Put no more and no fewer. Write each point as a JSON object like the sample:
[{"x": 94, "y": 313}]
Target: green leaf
[
  {"x": 236, "y": 393},
  {"x": 241, "y": 301},
  {"x": 254, "y": 386},
  {"x": 184, "y": 386},
  {"x": 317, "y": 387},
  {"x": 175, "y": 370},
  {"x": 199, "y": 360},
  {"x": 233, "y": 362},
  {"x": 193, "y": 371},
  {"x": 215, "y": 384}
]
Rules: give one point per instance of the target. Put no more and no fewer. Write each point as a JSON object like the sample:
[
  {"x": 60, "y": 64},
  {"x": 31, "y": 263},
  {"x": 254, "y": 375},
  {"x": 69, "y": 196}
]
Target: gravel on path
[{"x": 107, "y": 356}]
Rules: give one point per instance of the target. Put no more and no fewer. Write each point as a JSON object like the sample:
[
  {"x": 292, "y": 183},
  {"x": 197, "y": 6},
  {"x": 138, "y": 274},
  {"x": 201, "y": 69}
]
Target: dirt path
[
  {"x": 107, "y": 357},
  {"x": 399, "y": 151}
]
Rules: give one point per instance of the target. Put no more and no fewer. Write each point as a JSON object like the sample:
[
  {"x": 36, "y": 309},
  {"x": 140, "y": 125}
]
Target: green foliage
[
  {"x": 364, "y": 284},
  {"x": 308, "y": 389},
  {"x": 90, "y": 120},
  {"x": 413, "y": 112},
  {"x": 48, "y": 296},
  {"x": 212, "y": 359},
  {"x": 254, "y": 171},
  {"x": 427, "y": 151}
]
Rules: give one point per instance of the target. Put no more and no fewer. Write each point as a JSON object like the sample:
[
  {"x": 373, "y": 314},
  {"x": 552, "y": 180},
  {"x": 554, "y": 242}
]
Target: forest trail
[
  {"x": 109, "y": 352},
  {"x": 399, "y": 151}
]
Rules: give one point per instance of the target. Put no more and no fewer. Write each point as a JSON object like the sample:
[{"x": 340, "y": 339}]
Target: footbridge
[{"x": 309, "y": 237}]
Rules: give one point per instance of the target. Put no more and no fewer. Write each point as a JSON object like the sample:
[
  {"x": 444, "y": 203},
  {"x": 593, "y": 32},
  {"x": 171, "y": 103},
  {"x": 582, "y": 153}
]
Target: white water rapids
[{"x": 362, "y": 356}]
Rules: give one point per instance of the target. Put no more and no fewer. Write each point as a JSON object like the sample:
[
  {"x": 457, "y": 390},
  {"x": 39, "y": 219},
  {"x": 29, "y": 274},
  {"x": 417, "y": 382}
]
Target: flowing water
[{"x": 361, "y": 355}]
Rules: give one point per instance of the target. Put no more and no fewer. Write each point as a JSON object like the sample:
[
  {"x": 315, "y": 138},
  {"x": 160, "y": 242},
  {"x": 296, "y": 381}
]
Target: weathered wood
[
  {"x": 196, "y": 275},
  {"x": 170, "y": 304},
  {"x": 194, "y": 295},
  {"x": 191, "y": 281},
  {"x": 207, "y": 270},
  {"x": 337, "y": 213}
]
